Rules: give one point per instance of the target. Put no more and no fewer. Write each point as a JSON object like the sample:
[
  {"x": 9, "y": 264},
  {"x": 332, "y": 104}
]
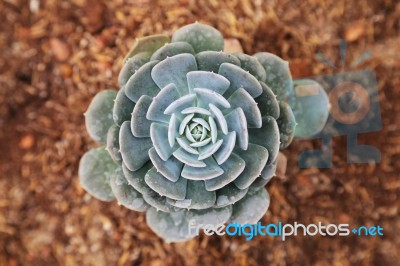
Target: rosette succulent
[{"x": 193, "y": 133}]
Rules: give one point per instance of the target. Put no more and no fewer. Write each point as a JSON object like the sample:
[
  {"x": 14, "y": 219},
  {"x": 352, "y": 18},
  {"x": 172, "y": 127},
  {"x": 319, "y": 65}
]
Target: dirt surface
[{"x": 56, "y": 55}]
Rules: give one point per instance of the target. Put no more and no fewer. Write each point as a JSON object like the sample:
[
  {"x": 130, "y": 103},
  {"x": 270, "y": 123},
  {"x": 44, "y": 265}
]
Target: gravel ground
[{"x": 56, "y": 55}]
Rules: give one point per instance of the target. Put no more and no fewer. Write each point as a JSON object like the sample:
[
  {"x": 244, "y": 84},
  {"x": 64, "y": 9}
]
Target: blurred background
[{"x": 55, "y": 55}]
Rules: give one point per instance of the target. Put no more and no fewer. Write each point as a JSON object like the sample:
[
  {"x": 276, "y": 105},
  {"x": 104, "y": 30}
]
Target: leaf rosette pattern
[{"x": 192, "y": 134}]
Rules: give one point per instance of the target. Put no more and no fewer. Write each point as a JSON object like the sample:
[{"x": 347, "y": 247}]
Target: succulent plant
[{"x": 192, "y": 134}]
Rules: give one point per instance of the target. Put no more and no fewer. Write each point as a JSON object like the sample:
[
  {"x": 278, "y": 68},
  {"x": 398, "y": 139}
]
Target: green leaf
[
  {"x": 267, "y": 136},
  {"x": 211, "y": 61},
  {"x": 236, "y": 121},
  {"x": 310, "y": 108},
  {"x": 171, "y": 49},
  {"x": 251, "y": 208},
  {"x": 229, "y": 194},
  {"x": 113, "y": 144},
  {"x": 125, "y": 194},
  {"x": 172, "y": 227},
  {"x": 208, "y": 80},
  {"x": 241, "y": 98},
  {"x": 251, "y": 64},
  {"x": 164, "y": 98},
  {"x": 99, "y": 115},
  {"x": 159, "y": 202},
  {"x": 140, "y": 125},
  {"x": 226, "y": 148},
  {"x": 232, "y": 168},
  {"x": 211, "y": 170},
  {"x": 212, "y": 216},
  {"x": 256, "y": 157},
  {"x": 134, "y": 150},
  {"x": 287, "y": 124},
  {"x": 269, "y": 170},
  {"x": 278, "y": 76},
  {"x": 95, "y": 169},
  {"x": 174, "y": 70},
  {"x": 157, "y": 182},
  {"x": 123, "y": 108},
  {"x": 267, "y": 102},
  {"x": 240, "y": 78},
  {"x": 197, "y": 197},
  {"x": 159, "y": 136},
  {"x": 205, "y": 97},
  {"x": 131, "y": 66},
  {"x": 188, "y": 158},
  {"x": 147, "y": 44},
  {"x": 201, "y": 37},
  {"x": 141, "y": 83},
  {"x": 136, "y": 178},
  {"x": 170, "y": 169}
]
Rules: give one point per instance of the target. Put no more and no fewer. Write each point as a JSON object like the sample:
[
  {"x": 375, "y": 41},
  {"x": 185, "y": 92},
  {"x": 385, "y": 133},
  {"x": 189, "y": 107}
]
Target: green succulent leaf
[
  {"x": 211, "y": 60},
  {"x": 99, "y": 115},
  {"x": 197, "y": 197},
  {"x": 286, "y": 124},
  {"x": 278, "y": 76},
  {"x": 267, "y": 102},
  {"x": 205, "y": 79},
  {"x": 159, "y": 132},
  {"x": 95, "y": 169},
  {"x": 170, "y": 169},
  {"x": 159, "y": 202},
  {"x": 141, "y": 83},
  {"x": 148, "y": 44},
  {"x": 201, "y": 37},
  {"x": 251, "y": 64},
  {"x": 212, "y": 216},
  {"x": 211, "y": 170},
  {"x": 171, "y": 49},
  {"x": 134, "y": 150},
  {"x": 258, "y": 136},
  {"x": 164, "y": 98},
  {"x": 242, "y": 99},
  {"x": 174, "y": 70},
  {"x": 239, "y": 78},
  {"x": 232, "y": 168},
  {"x": 113, "y": 144},
  {"x": 157, "y": 182},
  {"x": 251, "y": 208},
  {"x": 136, "y": 178},
  {"x": 269, "y": 170},
  {"x": 229, "y": 195},
  {"x": 131, "y": 66},
  {"x": 188, "y": 159},
  {"x": 123, "y": 108},
  {"x": 228, "y": 144},
  {"x": 125, "y": 194},
  {"x": 140, "y": 125},
  {"x": 237, "y": 122},
  {"x": 255, "y": 158},
  {"x": 310, "y": 108},
  {"x": 266, "y": 175},
  {"x": 172, "y": 227}
]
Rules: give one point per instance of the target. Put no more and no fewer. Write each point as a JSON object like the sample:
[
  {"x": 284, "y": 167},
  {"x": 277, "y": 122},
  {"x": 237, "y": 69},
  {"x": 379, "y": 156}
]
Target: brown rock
[
  {"x": 60, "y": 49},
  {"x": 232, "y": 46},
  {"x": 281, "y": 167},
  {"x": 354, "y": 31},
  {"x": 27, "y": 142}
]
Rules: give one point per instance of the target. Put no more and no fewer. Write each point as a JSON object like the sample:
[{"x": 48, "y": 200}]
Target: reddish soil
[{"x": 57, "y": 55}]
